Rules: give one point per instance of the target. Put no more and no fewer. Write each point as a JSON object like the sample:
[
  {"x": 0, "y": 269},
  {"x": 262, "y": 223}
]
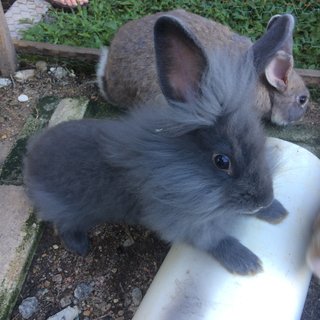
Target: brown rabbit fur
[
  {"x": 127, "y": 71},
  {"x": 313, "y": 253}
]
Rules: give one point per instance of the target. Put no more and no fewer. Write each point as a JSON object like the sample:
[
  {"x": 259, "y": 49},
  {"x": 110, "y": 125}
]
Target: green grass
[{"x": 95, "y": 25}]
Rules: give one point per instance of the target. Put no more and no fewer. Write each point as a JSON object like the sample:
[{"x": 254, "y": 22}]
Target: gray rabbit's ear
[
  {"x": 273, "y": 51},
  {"x": 181, "y": 61}
]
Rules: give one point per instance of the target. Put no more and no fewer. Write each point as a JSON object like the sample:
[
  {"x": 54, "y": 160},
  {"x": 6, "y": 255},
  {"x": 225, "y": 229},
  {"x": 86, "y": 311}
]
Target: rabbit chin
[
  {"x": 278, "y": 119},
  {"x": 294, "y": 115}
]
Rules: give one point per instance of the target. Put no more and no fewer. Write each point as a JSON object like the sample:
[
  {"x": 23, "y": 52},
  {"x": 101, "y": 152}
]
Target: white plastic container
[{"x": 191, "y": 285}]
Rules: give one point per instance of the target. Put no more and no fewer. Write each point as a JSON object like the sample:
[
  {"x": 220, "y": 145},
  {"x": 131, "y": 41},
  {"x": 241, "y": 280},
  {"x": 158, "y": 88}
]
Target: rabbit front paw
[
  {"x": 236, "y": 258},
  {"x": 274, "y": 213}
]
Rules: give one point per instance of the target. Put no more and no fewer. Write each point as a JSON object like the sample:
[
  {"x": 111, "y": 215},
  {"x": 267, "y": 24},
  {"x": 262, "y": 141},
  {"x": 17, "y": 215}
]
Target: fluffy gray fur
[{"x": 154, "y": 167}]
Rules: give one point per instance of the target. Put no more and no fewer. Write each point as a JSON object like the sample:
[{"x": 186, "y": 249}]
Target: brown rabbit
[
  {"x": 313, "y": 253},
  {"x": 127, "y": 71}
]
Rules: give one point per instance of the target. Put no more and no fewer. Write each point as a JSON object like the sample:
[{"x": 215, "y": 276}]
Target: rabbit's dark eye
[
  {"x": 302, "y": 99},
  {"x": 222, "y": 162}
]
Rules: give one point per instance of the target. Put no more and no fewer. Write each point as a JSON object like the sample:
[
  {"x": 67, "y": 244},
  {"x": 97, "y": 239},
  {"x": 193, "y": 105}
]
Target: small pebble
[
  {"x": 120, "y": 313},
  {"x": 114, "y": 270},
  {"x": 65, "y": 301},
  {"x": 28, "y": 307},
  {"x": 128, "y": 243},
  {"x": 49, "y": 299},
  {"x": 42, "y": 292},
  {"x": 72, "y": 74},
  {"x": 41, "y": 66},
  {"x": 115, "y": 300},
  {"x": 55, "y": 247},
  {"x": 82, "y": 291},
  {"x": 24, "y": 75},
  {"x": 59, "y": 72},
  {"x": 4, "y": 82},
  {"x": 23, "y": 98},
  {"x": 86, "y": 313},
  {"x": 57, "y": 278},
  {"x": 47, "y": 283},
  {"x": 68, "y": 313},
  {"x": 136, "y": 295}
]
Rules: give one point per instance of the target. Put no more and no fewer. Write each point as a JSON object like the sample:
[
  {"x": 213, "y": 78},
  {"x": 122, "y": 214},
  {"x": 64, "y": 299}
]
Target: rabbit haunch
[
  {"x": 127, "y": 73},
  {"x": 186, "y": 171}
]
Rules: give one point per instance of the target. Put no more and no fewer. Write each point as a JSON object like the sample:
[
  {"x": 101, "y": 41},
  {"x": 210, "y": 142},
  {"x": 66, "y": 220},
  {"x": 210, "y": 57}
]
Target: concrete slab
[
  {"x": 23, "y": 14},
  {"x": 20, "y": 230},
  {"x": 11, "y": 173},
  {"x": 5, "y": 147},
  {"x": 18, "y": 235},
  {"x": 69, "y": 109}
]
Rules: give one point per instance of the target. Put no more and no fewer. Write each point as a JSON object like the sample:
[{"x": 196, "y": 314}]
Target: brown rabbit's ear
[
  {"x": 273, "y": 51},
  {"x": 279, "y": 68},
  {"x": 181, "y": 61}
]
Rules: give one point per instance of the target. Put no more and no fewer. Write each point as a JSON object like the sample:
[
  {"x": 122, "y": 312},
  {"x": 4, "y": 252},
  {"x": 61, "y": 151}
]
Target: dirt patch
[
  {"x": 122, "y": 261},
  {"x": 13, "y": 113},
  {"x": 313, "y": 112}
]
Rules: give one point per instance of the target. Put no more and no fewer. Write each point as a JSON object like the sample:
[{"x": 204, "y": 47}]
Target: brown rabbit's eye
[
  {"x": 222, "y": 162},
  {"x": 302, "y": 99}
]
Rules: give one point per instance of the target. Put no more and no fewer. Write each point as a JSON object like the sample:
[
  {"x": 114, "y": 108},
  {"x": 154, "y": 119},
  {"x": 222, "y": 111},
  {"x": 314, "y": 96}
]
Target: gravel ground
[{"x": 107, "y": 284}]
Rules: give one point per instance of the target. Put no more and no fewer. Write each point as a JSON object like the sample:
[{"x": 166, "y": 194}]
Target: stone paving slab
[
  {"x": 18, "y": 235},
  {"x": 23, "y": 14},
  {"x": 20, "y": 229},
  {"x": 69, "y": 109},
  {"x": 5, "y": 147}
]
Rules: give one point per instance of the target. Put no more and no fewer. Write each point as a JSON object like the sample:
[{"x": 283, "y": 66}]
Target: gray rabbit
[
  {"x": 127, "y": 72},
  {"x": 186, "y": 171}
]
